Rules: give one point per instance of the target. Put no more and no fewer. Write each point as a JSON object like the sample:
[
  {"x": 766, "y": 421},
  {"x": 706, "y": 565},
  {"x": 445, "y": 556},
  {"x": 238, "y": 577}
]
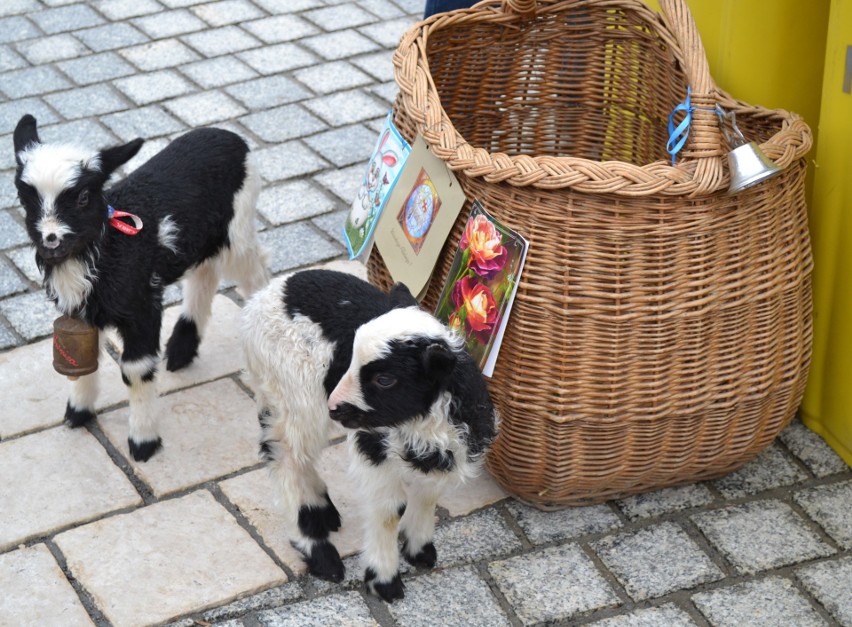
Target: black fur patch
[
  {"x": 317, "y": 521},
  {"x": 142, "y": 452},
  {"x": 324, "y": 562},
  {"x": 388, "y": 592},
  {"x": 426, "y": 557},
  {"x": 77, "y": 417},
  {"x": 434, "y": 460},
  {"x": 266, "y": 450},
  {"x": 263, "y": 417},
  {"x": 372, "y": 445},
  {"x": 400, "y": 511},
  {"x": 182, "y": 346}
]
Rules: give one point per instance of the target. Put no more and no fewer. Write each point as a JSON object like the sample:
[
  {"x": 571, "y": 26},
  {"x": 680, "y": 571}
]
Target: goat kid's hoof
[
  {"x": 142, "y": 451},
  {"x": 387, "y": 591},
  {"x": 425, "y": 558},
  {"x": 324, "y": 562},
  {"x": 75, "y": 418}
]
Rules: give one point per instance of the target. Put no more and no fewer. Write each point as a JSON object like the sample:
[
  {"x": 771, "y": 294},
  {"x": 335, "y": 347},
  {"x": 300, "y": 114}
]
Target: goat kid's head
[
  {"x": 401, "y": 363},
  {"x": 61, "y": 188}
]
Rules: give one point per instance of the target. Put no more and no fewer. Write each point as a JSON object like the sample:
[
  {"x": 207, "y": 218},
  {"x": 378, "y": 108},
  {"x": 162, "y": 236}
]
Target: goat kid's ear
[
  {"x": 438, "y": 362},
  {"x": 25, "y": 135},
  {"x": 401, "y": 297},
  {"x": 114, "y": 158}
]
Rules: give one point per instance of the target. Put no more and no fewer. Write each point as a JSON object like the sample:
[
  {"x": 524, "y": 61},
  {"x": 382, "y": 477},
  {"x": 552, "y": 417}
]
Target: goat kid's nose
[{"x": 51, "y": 240}]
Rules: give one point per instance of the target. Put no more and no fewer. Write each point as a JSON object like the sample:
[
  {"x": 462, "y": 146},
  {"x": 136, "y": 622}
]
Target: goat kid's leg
[
  {"x": 199, "y": 288},
  {"x": 418, "y": 525},
  {"x": 80, "y": 407},
  {"x": 139, "y": 375}
]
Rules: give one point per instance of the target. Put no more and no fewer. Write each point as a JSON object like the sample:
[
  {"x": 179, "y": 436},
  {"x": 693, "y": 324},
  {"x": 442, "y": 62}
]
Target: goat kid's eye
[
  {"x": 384, "y": 381},
  {"x": 83, "y": 198}
]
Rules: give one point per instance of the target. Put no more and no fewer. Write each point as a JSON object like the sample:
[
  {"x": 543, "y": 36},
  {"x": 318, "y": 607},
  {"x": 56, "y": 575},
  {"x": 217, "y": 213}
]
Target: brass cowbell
[{"x": 75, "y": 347}]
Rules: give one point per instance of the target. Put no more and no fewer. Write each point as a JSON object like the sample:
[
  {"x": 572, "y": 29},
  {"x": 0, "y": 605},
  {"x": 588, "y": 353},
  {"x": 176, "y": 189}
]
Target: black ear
[
  {"x": 25, "y": 134},
  {"x": 438, "y": 361},
  {"x": 114, "y": 158},
  {"x": 400, "y": 297}
]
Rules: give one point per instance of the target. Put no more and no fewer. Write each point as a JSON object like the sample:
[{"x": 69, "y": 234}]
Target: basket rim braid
[{"x": 700, "y": 172}]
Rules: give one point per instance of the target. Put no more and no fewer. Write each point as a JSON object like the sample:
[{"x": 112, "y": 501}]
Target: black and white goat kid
[
  {"x": 196, "y": 201},
  {"x": 321, "y": 344}
]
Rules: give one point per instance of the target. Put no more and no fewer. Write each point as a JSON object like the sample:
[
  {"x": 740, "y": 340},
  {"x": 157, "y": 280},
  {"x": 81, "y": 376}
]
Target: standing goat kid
[
  {"x": 196, "y": 202},
  {"x": 322, "y": 344}
]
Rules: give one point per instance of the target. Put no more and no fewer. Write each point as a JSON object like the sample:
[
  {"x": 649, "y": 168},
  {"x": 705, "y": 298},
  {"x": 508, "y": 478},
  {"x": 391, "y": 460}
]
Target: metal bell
[{"x": 749, "y": 166}]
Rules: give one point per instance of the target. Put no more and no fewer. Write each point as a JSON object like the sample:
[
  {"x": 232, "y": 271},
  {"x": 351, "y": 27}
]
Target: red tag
[{"x": 115, "y": 214}]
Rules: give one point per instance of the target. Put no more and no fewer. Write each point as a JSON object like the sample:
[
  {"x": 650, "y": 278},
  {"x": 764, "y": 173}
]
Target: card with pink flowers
[{"x": 477, "y": 298}]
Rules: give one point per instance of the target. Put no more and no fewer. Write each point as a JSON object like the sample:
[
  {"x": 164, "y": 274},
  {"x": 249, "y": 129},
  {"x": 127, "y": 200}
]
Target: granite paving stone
[
  {"x": 339, "y": 45},
  {"x": 771, "y": 469},
  {"x": 81, "y": 102},
  {"x": 7, "y": 339},
  {"x": 665, "y": 501},
  {"x": 11, "y": 232},
  {"x": 761, "y": 535},
  {"x": 282, "y": 123},
  {"x": 828, "y": 582},
  {"x": 14, "y": 7},
  {"x": 50, "y": 49},
  {"x": 478, "y": 536},
  {"x": 16, "y": 29},
  {"x": 24, "y": 260},
  {"x": 226, "y": 12},
  {"x": 387, "y": 32},
  {"x": 282, "y": 204},
  {"x": 169, "y": 23},
  {"x": 30, "y": 314},
  {"x": 269, "y": 91},
  {"x": 831, "y": 507},
  {"x": 667, "y": 614},
  {"x": 288, "y": 6},
  {"x": 385, "y": 91},
  {"x": 451, "y": 597},
  {"x": 110, "y": 37},
  {"x": 552, "y": 584},
  {"x": 117, "y": 10},
  {"x": 11, "y": 112},
  {"x": 339, "y": 17},
  {"x": 296, "y": 245},
  {"x": 67, "y": 18},
  {"x": 9, "y": 198},
  {"x": 344, "y": 146},
  {"x": 329, "y": 77},
  {"x": 34, "y": 587},
  {"x": 338, "y": 609},
  {"x": 218, "y": 72},
  {"x": 378, "y": 65},
  {"x": 280, "y": 28},
  {"x": 45, "y": 488},
  {"x": 10, "y": 282},
  {"x": 288, "y": 160},
  {"x": 278, "y": 58},
  {"x": 143, "y": 122},
  {"x": 343, "y": 182},
  {"x": 204, "y": 108},
  {"x": 32, "y": 81},
  {"x": 542, "y": 527},
  {"x": 190, "y": 546},
  {"x": 818, "y": 456},
  {"x": 347, "y": 108},
  {"x": 221, "y": 41},
  {"x": 147, "y": 88},
  {"x": 771, "y": 601},
  {"x": 656, "y": 561},
  {"x": 268, "y": 599},
  {"x": 158, "y": 55},
  {"x": 10, "y": 60},
  {"x": 332, "y": 225},
  {"x": 384, "y": 8},
  {"x": 96, "y": 68},
  {"x": 83, "y": 132}
]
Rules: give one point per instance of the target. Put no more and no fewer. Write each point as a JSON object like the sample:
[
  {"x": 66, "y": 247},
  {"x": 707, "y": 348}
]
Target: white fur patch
[
  {"x": 372, "y": 340},
  {"x": 167, "y": 234},
  {"x": 138, "y": 368},
  {"x": 70, "y": 283},
  {"x": 50, "y": 168}
]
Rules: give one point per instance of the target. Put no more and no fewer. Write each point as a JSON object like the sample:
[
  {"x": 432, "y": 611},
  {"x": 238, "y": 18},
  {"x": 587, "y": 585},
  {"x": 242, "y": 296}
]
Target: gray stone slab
[
  {"x": 7, "y": 338},
  {"x": 812, "y": 450},
  {"x": 828, "y": 582},
  {"x": 147, "y": 88},
  {"x": 296, "y": 245},
  {"x": 831, "y": 507},
  {"x": 50, "y": 49},
  {"x": 384, "y": 8},
  {"x": 665, "y": 501},
  {"x": 10, "y": 281},
  {"x": 169, "y": 23},
  {"x": 83, "y": 132},
  {"x": 333, "y": 76},
  {"x": 142, "y": 122},
  {"x": 158, "y": 55},
  {"x": 280, "y": 28},
  {"x": 346, "y": 107},
  {"x": 344, "y": 146},
  {"x": 543, "y": 527},
  {"x": 10, "y": 60},
  {"x": 340, "y": 17},
  {"x": 288, "y": 6},
  {"x": 218, "y": 72},
  {"x": 483, "y": 535},
  {"x": 339, "y": 45},
  {"x": 278, "y": 58},
  {"x": 338, "y": 609},
  {"x": 32, "y": 81},
  {"x": 268, "y": 599},
  {"x": 656, "y": 561},
  {"x": 282, "y": 123},
  {"x": 378, "y": 65},
  {"x": 761, "y": 535},
  {"x": 227, "y": 12},
  {"x": 387, "y": 33},
  {"x": 16, "y": 29},
  {"x": 667, "y": 615},
  {"x": 219, "y": 41},
  {"x": 31, "y": 314},
  {"x": 332, "y": 225},
  {"x": 63, "y": 19},
  {"x": 11, "y": 112},
  {"x": 266, "y": 92},
  {"x": 204, "y": 108},
  {"x": 9, "y": 195},
  {"x": 12, "y": 233},
  {"x": 282, "y": 204},
  {"x": 553, "y": 584},
  {"x": 385, "y": 91},
  {"x": 343, "y": 182},
  {"x": 117, "y": 10},
  {"x": 24, "y": 259},
  {"x": 15, "y": 7},
  {"x": 771, "y": 469},
  {"x": 96, "y": 68},
  {"x": 771, "y": 601},
  {"x": 110, "y": 37},
  {"x": 82, "y": 102},
  {"x": 288, "y": 160},
  {"x": 451, "y": 597}
]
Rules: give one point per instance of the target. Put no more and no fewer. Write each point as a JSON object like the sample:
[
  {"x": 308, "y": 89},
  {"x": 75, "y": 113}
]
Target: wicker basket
[{"x": 662, "y": 329}]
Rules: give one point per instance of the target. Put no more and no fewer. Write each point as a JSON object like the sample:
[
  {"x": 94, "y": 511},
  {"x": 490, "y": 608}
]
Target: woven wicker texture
[{"x": 662, "y": 328}]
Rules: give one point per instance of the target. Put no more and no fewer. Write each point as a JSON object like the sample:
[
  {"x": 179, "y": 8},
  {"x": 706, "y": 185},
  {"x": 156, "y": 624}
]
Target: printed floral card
[
  {"x": 418, "y": 217},
  {"x": 481, "y": 285},
  {"x": 379, "y": 178}
]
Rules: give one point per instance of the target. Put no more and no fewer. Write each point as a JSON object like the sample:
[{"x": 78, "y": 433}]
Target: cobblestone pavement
[{"x": 89, "y": 536}]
